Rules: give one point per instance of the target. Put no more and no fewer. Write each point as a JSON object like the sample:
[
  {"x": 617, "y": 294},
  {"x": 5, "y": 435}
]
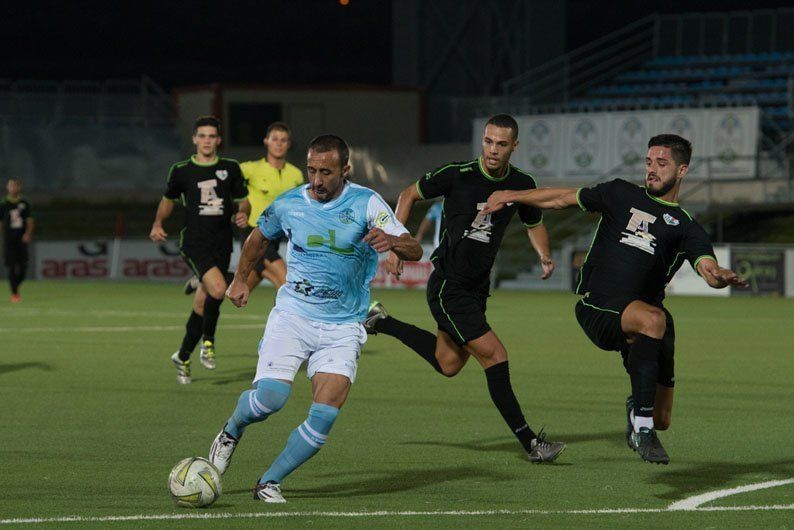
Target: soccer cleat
[
  {"x": 647, "y": 444},
  {"x": 15, "y": 298},
  {"x": 629, "y": 426},
  {"x": 221, "y": 450},
  {"x": 376, "y": 312},
  {"x": 207, "y": 355},
  {"x": 182, "y": 369},
  {"x": 191, "y": 285},
  {"x": 269, "y": 492},
  {"x": 543, "y": 451}
]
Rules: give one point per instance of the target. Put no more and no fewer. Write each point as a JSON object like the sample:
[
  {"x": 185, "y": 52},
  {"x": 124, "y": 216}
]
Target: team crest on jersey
[
  {"x": 382, "y": 219},
  {"x": 347, "y": 216},
  {"x": 221, "y": 174},
  {"x": 638, "y": 234},
  {"x": 669, "y": 219}
]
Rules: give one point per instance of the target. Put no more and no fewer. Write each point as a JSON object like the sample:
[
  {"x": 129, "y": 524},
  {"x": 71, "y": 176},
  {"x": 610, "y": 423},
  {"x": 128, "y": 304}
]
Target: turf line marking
[
  {"x": 694, "y": 502},
  {"x": 457, "y": 513},
  {"x": 117, "y": 329}
]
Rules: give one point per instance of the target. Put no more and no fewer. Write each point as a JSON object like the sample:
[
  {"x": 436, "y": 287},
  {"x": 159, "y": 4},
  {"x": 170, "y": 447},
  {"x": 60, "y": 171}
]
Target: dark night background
[{"x": 274, "y": 42}]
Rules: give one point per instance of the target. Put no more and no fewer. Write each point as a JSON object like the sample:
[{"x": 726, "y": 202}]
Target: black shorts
[
  {"x": 599, "y": 316},
  {"x": 201, "y": 258},
  {"x": 15, "y": 254},
  {"x": 458, "y": 310},
  {"x": 271, "y": 253}
]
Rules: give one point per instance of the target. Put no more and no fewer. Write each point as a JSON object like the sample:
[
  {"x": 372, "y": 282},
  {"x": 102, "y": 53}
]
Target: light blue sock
[
  {"x": 303, "y": 443},
  {"x": 256, "y": 405}
]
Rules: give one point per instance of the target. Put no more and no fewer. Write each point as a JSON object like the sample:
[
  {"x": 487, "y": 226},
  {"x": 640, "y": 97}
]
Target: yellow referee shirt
[{"x": 265, "y": 183}]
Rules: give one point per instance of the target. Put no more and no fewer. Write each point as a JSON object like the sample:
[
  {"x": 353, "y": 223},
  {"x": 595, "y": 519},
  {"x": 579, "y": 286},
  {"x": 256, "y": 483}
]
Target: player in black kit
[
  {"x": 642, "y": 239},
  {"x": 207, "y": 185},
  {"x": 459, "y": 285},
  {"x": 16, "y": 223}
]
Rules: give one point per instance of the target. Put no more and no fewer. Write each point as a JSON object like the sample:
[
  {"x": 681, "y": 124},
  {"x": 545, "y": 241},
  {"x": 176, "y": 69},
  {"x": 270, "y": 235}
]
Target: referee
[
  {"x": 207, "y": 186},
  {"x": 16, "y": 222}
]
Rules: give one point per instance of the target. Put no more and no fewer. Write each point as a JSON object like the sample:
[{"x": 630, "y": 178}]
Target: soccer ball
[{"x": 194, "y": 482}]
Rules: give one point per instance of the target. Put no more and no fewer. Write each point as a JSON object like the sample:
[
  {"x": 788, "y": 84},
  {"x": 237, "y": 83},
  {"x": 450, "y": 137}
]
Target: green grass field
[{"x": 93, "y": 420}]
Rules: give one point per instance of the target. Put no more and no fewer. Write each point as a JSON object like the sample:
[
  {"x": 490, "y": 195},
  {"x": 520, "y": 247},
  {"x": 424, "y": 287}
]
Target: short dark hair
[
  {"x": 504, "y": 120},
  {"x": 15, "y": 179},
  {"x": 331, "y": 142},
  {"x": 205, "y": 121},
  {"x": 681, "y": 148},
  {"x": 277, "y": 126}
]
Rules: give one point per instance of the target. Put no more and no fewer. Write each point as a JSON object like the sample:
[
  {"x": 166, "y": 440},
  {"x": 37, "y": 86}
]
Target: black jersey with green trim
[
  {"x": 469, "y": 238},
  {"x": 14, "y": 214},
  {"x": 208, "y": 192},
  {"x": 640, "y": 243}
]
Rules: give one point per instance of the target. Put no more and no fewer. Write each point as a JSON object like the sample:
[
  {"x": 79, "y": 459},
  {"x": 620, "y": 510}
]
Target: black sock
[
  {"x": 501, "y": 390},
  {"x": 192, "y": 335},
  {"x": 212, "y": 310},
  {"x": 644, "y": 373},
  {"x": 14, "y": 279},
  {"x": 421, "y": 341}
]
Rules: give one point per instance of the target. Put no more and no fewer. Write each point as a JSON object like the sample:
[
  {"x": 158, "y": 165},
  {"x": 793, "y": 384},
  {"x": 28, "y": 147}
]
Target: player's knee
[
  {"x": 655, "y": 324},
  {"x": 217, "y": 290},
  {"x": 450, "y": 369},
  {"x": 271, "y": 395}
]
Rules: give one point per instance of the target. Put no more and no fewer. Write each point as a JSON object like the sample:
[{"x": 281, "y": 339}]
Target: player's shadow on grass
[
  {"x": 700, "y": 478},
  {"x": 509, "y": 445},
  {"x": 15, "y": 367},
  {"x": 393, "y": 482},
  {"x": 237, "y": 376}
]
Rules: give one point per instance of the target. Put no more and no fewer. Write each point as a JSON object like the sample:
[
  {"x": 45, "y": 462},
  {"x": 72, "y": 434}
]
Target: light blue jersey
[
  {"x": 436, "y": 214},
  {"x": 329, "y": 266}
]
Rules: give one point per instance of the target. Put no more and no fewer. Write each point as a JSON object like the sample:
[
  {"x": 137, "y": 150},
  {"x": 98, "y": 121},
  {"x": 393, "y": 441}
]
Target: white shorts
[{"x": 290, "y": 339}]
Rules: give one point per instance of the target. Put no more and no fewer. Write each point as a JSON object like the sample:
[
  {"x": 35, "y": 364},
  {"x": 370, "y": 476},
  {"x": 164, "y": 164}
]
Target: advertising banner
[
  {"x": 763, "y": 268},
  {"x": 687, "y": 281},
  {"x": 585, "y": 146},
  {"x": 732, "y": 137},
  {"x": 414, "y": 276},
  {"x": 628, "y": 142}
]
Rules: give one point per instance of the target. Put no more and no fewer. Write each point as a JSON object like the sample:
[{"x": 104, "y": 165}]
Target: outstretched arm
[
  {"x": 403, "y": 246},
  {"x": 405, "y": 203},
  {"x": 718, "y": 277},
  {"x": 539, "y": 237},
  {"x": 253, "y": 250},
  {"x": 554, "y": 198}
]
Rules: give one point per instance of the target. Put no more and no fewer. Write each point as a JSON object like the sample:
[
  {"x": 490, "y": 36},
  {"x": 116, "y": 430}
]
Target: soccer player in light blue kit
[{"x": 335, "y": 230}]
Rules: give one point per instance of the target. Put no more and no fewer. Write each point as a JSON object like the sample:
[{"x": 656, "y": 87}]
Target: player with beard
[{"x": 642, "y": 239}]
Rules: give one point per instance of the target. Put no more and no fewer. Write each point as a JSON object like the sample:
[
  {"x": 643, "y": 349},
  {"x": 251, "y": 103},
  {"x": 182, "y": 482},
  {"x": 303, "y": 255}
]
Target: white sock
[{"x": 642, "y": 421}]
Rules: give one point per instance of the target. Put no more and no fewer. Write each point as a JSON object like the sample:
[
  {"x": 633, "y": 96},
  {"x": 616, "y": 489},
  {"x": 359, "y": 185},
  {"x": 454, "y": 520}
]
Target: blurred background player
[
  {"x": 335, "y": 238},
  {"x": 266, "y": 179},
  {"x": 459, "y": 286},
  {"x": 208, "y": 186},
  {"x": 433, "y": 219},
  {"x": 642, "y": 239},
  {"x": 16, "y": 221}
]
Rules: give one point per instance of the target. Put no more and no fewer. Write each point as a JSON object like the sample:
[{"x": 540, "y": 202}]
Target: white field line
[
  {"x": 117, "y": 329},
  {"x": 694, "y": 502},
  {"x": 457, "y": 513},
  {"x": 100, "y": 313}
]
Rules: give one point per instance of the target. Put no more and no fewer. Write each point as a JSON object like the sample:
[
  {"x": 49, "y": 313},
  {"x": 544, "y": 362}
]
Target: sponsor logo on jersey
[
  {"x": 297, "y": 214},
  {"x": 638, "y": 235},
  {"x": 347, "y": 216},
  {"x": 669, "y": 219},
  {"x": 382, "y": 219},
  {"x": 221, "y": 174}
]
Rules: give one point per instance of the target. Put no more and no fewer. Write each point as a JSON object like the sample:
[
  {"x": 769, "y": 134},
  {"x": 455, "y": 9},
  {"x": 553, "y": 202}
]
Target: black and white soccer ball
[{"x": 194, "y": 482}]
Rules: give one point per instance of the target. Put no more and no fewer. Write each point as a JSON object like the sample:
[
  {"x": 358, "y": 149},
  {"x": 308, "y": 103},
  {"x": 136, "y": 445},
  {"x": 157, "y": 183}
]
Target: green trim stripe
[
  {"x": 204, "y": 164},
  {"x": 687, "y": 213},
  {"x": 489, "y": 177},
  {"x": 705, "y": 256},
  {"x": 581, "y": 274},
  {"x": 535, "y": 182},
  {"x": 170, "y": 199},
  {"x": 533, "y": 225},
  {"x": 675, "y": 260},
  {"x": 190, "y": 261},
  {"x": 599, "y": 308},
  {"x": 579, "y": 201},
  {"x": 419, "y": 191},
  {"x": 661, "y": 201},
  {"x": 441, "y": 302}
]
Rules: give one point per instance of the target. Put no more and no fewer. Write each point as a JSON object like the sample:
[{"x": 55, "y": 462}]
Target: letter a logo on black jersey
[{"x": 638, "y": 234}]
